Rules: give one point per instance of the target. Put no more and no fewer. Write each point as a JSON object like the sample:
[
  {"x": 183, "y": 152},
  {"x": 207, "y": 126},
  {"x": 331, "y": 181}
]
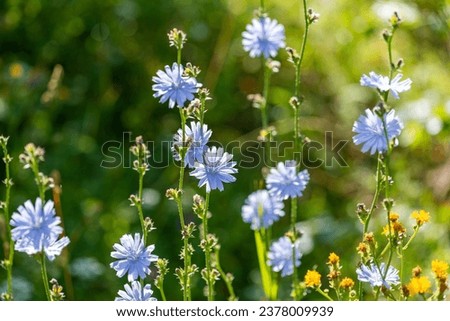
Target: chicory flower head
[
  {"x": 36, "y": 229},
  {"x": 217, "y": 168},
  {"x": 280, "y": 256},
  {"x": 133, "y": 258},
  {"x": 196, "y": 137},
  {"x": 375, "y": 276},
  {"x": 370, "y": 131},
  {"x": 284, "y": 181},
  {"x": 136, "y": 292},
  {"x": 263, "y": 36},
  {"x": 261, "y": 209},
  {"x": 383, "y": 84},
  {"x": 171, "y": 85}
]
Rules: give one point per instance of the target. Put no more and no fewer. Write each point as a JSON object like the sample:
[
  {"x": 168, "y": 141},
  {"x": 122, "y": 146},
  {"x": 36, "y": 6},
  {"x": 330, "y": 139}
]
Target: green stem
[
  {"x": 161, "y": 290},
  {"x": 324, "y": 294},
  {"x": 400, "y": 249},
  {"x": 294, "y": 234},
  {"x": 416, "y": 229},
  {"x": 262, "y": 6},
  {"x": 10, "y": 247},
  {"x": 266, "y": 85},
  {"x": 179, "y": 56},
  {"x": 139, "y": 204},
  {"x": 41, "y": 188},
  {"x": 207, "y": 250},
  {"x": 270, "y": 288},
  {"x": 225, "y": 277},
  {"x": 44, "y": 276},
  {"x": 302, "y": 51},
  {"x": 375, "y": 197},
  {"x": 179, "y": 201},
  {"x": 202, "y": 110}
]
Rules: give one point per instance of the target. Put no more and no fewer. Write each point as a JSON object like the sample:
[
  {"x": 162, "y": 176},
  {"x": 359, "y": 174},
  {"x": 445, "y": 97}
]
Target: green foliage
[{"x": 77, "y": 74}]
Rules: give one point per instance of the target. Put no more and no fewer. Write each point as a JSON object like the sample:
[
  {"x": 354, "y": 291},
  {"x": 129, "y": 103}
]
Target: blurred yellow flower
[
  {"x": 15, "y": 70},
  {"x": 333, "y": 258},
  {"x": 439, "y": 268},
  {"x": 312, "y": 279},
  {"x": 393, "y": 217},
  {"x": 421, "y": 217},
  {"x": 419, "y": 285},
  {"x": 396, "y": 227},
  {"x": 346, "y": 283}
]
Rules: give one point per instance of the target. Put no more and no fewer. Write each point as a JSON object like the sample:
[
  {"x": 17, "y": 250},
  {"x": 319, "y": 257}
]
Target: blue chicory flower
[
  {"x": 136, "y": 292},
  {"x": 196, "y": 137},
  {"x": 261, "y": 209},
  {"x": 374, "y": 275},
  {"x": 263, "y": 36},
  {"x": 285, "y": 182},
  {"x": 36, "y": 229},
  {"x": 370, "y": 132},
  {"x": 132, "y": 257},
  {"x": 172, "y": 86},
  {"x": 216, "y": 169},
  {"x": 382, "y": 83},
  {"x": 280, "y": 256}
]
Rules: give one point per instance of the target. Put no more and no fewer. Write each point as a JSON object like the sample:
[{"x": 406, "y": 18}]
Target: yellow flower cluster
[
  {"x": 346, "y": 283},
  {"x": 312, "y": 279},
  {"x": 333, "y": 259},
  {"x": 439, "y": 268},
  {"x": 419, "y": 285},
  {"x": 421, "y": 217}
]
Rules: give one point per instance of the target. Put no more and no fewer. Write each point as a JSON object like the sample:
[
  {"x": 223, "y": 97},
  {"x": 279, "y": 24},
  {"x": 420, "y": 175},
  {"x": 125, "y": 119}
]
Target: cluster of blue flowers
[
  {"x": 212, "y": 166},
  {"x": 378, "y": 128},
  {"x": 264, "y": 37}
]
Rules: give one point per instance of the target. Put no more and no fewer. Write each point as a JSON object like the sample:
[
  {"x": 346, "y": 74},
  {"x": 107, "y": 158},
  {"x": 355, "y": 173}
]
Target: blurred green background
[{"x": 110, "y": 49}]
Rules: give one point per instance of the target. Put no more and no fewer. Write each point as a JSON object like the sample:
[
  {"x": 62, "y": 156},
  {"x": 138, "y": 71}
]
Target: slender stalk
[
  {"x": 376, "y": 195},
  {"x": 270, "y": 290},
  {"x": 411, "y": 238},
  {"x": 266, "y": 85},
  {"x": 41, "y": 187},
  {"x": 225, "y": 278},
  {"x": 325, "y": 295},
  {"x": 302, "y": 50},
  {"x": 139, "y": 204},
  {"x": 294, "y": 233},
  {"x": 9, "y": 247},
  {"x": 207, "y": 250},
  {"x": 161, "y": 290},
  {"x": 44, "y": 276},
  {"x": 179, "y": 201}
]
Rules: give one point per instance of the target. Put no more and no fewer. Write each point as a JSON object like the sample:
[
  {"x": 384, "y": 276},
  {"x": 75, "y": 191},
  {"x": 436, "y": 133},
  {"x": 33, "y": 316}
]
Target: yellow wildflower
[
  {"x": 346, "y": 283},
  {"x": 421, "y": 217},
  {"x": 362, "y": 248},
  {"x": 16, "y": 70},
  {"x": 396, "y": 227},
  {"x": 333, "y": 259},
  {"x": 419, "y": 285},
  {"x": 440, "y": 269},
  {"x": 312, "y": 279},
  {"x": 393, "y": 217}
]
